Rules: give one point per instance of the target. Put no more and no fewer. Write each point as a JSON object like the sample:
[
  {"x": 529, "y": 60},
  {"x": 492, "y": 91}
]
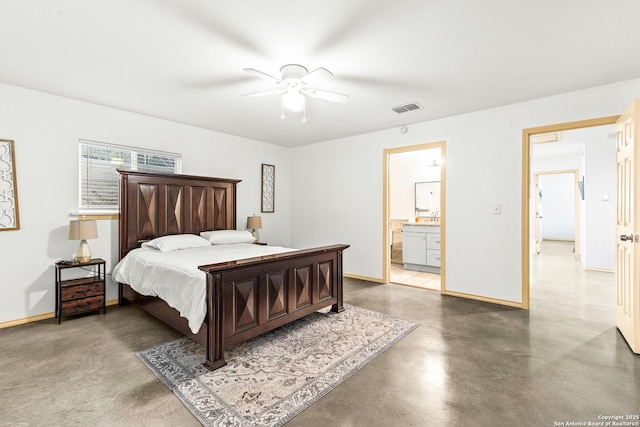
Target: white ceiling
[{"x": 182, "y": 60}]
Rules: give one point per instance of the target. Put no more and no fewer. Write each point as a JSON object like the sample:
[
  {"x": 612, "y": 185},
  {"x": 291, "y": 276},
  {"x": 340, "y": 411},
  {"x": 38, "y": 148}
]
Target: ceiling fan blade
[
  {"x": 266, "y": 92},
  {"x": 262, "y": 75},
  {"x": 316, "y": 75},
  {"x": 326, "y": 95}
]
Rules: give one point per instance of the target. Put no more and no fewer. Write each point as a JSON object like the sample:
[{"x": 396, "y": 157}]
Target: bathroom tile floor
[{"x": 416, "y": 279}]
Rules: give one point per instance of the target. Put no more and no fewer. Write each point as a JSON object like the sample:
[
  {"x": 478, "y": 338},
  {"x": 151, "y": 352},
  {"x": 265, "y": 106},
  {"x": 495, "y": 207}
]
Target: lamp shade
[
  {"x": 293, "y": 101},
  {"x": 254, "y": 222},
  {"x": 83, "y": 229}
]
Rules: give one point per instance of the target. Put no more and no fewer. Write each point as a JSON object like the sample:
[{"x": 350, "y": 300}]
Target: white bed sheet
[{"x": 174, "y": 276}]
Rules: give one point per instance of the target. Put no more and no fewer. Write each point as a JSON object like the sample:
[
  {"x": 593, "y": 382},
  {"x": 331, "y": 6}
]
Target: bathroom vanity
[{"x": 421, "y": 247}]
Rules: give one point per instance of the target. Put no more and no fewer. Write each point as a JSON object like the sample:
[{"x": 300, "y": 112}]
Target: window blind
[{"x": 99, "y": 181}]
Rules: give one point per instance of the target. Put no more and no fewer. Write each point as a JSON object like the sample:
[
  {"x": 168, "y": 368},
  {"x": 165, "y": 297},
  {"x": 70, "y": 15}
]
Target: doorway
[
  {"x": 528, "y": 192},
  {"x": 414, "y": 207},
  {"x": 556, "y": 207}
]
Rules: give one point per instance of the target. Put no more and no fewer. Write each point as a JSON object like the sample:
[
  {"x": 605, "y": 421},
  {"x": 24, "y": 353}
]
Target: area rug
[{"x": 270, "y": 379}]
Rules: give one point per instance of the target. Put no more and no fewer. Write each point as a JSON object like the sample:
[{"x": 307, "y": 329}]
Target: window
[{"x": 99, "y": 180}]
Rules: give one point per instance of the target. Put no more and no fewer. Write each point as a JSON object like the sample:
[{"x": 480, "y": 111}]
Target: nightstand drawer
[
  {"x": 74, "y": 296},
  {"x": 81, "y": 291},
  {"x": 81, "y": 305}
]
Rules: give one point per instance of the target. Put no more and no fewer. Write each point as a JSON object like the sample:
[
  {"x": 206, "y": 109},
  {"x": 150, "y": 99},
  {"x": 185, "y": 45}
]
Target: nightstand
[{"x": 74, "y": 296}]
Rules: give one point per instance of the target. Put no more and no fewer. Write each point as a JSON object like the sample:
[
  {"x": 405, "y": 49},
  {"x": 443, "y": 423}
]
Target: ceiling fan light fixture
[
  {"x": 295, "y": 84},
  {"x": 293, "y": 101}
]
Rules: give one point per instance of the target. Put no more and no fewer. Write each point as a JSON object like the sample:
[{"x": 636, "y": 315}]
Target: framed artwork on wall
[
  {"x": 9, "y": 218},
  {"x": 268, "y": 188}
]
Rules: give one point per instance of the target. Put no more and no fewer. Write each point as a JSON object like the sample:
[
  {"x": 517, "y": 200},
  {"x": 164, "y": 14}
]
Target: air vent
[{"x": 407, "y": 107}]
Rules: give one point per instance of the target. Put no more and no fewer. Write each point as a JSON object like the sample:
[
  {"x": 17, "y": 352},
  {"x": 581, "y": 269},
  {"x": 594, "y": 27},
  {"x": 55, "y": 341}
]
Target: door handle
[{"x": 624, "y": 237}]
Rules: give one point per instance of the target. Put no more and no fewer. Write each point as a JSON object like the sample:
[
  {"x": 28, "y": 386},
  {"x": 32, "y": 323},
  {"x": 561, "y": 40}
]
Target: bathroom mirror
[{"x": 428, "y": 199}]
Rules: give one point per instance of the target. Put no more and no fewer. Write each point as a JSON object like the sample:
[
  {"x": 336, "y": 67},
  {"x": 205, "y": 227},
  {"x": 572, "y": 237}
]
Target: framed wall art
[
  {"x": 9, "y": 219},
  {"x": 268, "y": 188}
]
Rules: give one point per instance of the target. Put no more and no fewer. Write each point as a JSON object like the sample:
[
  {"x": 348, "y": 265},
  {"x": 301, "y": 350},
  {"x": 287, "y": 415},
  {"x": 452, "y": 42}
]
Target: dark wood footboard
[{"x": 247, "y": 298}]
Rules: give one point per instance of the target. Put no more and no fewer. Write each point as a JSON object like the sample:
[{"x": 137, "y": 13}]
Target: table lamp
[
  {"x": 83, "y": 230},
  {"x": 254, "y": 223}
]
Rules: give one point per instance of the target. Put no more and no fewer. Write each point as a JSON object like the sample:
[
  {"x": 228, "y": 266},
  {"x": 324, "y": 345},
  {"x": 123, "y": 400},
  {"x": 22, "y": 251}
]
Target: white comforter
[{"x": 174, "y": 276}]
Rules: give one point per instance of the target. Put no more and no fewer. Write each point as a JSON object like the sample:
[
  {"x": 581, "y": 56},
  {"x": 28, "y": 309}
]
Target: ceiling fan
[{"x": 295, "y": 81}]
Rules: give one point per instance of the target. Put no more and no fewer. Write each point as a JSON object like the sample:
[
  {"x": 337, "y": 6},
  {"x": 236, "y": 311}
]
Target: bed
[{"x": 245, "y": 297}]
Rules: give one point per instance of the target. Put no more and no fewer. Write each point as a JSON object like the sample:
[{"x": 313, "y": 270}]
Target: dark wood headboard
[{"x": 153, "y": 205}]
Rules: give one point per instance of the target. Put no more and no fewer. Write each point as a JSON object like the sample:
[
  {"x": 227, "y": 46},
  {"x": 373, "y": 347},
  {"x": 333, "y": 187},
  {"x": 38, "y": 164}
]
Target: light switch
[
  {"x": 497, "y": 209},
  {"x": 605, "y": 197}
]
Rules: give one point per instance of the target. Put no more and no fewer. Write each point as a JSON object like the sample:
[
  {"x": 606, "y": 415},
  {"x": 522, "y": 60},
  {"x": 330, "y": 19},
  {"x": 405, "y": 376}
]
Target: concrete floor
[{"x": 468, "y": 364}]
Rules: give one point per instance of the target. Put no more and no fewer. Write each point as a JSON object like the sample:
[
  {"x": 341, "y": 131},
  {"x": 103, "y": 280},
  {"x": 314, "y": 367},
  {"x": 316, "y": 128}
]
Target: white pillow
[
  {"x": 176, "y": 242},
  {"x": 228, "y": 237}
]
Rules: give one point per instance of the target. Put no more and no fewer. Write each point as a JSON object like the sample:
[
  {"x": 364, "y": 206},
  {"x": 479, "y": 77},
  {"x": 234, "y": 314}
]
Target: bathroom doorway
[{"x": 413, "y": 216}]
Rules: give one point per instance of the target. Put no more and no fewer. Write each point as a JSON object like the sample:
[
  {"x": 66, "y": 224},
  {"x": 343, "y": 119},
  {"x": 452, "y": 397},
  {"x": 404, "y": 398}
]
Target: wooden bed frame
[{"x": 245, "y": 298}]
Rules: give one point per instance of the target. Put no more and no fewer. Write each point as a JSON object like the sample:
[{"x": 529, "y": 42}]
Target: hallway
[{"x": 560, "y": 284}]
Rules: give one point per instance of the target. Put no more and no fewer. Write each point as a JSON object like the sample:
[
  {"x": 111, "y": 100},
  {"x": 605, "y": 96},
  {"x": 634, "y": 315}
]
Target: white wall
[
  {"x": 326, "y": 193},
  {"x": 558, "y": 206},
  {"x": 556, "y": 162},
  {"x": 405, "y": 169},
  {"x": 46, "y": 130},
  {"x": 338, "y": 187},
  {"x": 600, "y": 219}
]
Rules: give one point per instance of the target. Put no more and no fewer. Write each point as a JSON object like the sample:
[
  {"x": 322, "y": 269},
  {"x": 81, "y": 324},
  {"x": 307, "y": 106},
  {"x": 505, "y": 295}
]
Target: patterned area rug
[{"x": 270, "y": 379}]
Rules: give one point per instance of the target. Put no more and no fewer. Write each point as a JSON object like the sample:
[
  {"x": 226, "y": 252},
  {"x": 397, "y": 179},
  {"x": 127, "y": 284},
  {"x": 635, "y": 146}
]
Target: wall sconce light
[
  {"x": 83, "y": 230},
  {"x": 254, "y": 223}
]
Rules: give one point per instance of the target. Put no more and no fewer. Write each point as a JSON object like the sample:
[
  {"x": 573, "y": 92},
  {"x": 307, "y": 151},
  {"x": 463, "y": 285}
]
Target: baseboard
[
  {"x": 365, "y": 278},
  {"x": 483, "y": 299},
  {"x": 603, "y": 270},
  {"x": 24, "y": 320},
  {"x": 449, "y": 293},
  {"x": 38, "y": 317}
]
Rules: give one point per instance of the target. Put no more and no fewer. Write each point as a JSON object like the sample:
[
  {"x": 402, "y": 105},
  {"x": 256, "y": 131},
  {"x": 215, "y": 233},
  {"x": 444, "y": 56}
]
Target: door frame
[
  {"x": 386, "y": 207},
  {"x": 576, "y": 202},
  {"x": 526, "y": 189}
]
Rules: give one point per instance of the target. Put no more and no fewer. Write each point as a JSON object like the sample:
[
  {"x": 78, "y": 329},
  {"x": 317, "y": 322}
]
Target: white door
[{"x": 627, "y": 228}]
